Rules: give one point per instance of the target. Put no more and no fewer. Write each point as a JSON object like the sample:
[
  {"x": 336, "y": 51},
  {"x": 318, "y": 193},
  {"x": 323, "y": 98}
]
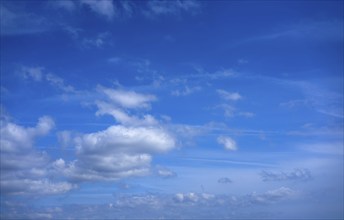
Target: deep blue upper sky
[{"x": 176, "y": 109}]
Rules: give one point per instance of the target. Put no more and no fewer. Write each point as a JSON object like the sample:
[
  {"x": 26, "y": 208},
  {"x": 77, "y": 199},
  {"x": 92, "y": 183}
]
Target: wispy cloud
[
  {"x": 164, "y": 172},
  {"x": 171, "y": 7},
  {"x": 99, "y": 41},
  {"x": 18, "y": 22},
  {"x": 40, "y": 74},
  {"x": 295, "y": 175},
  {"x": 185, "y": 91},
  {"x": 102, "y": 7},
  {"x": 230, "y": 96},
  {"x": 311, "y": 31}
]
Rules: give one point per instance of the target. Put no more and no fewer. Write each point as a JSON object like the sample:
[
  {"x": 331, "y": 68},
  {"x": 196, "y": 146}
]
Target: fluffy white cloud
[
  {"x": 126, "y": 139},
  {"x": 15, "y": 138},
  {"x": 23, "y": 169},
  {"x": 103, "y": 7},
  {"x": 116, "y": 153},
  {"x": 228, "y": 95},
  {"x": 227, "y": 142}
]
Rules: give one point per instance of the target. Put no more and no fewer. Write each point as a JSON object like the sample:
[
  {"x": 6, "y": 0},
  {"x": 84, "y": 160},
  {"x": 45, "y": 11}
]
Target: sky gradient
[{"x": 171, "y": 109}]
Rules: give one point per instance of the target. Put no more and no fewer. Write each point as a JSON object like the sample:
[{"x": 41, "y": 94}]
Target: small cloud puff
[
  {"x": 227, "y": 142},
  {"x": 229, "y": 95}
]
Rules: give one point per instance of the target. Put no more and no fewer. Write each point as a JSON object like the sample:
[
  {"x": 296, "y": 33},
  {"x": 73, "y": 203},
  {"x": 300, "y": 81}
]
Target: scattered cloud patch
[
  {"x": 186, "y": 91},
  {"x": 229, "y": 95},
  {"x": 164, "y": 172},
  {"x": 39, "y": 74},
  {"x": 99, "y": 41},
  {"x": 228, "y": 143},
  {"x": 271, "y": 196},
  {"x": 296, "y": 175}
]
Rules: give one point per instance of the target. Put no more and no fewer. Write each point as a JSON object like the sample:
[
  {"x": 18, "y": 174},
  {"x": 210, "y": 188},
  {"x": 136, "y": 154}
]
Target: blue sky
[{"x": 171, "y": 109}]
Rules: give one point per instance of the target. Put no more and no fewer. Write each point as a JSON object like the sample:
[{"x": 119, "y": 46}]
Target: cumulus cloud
[
  {"x": 227, "y": 142},
  {"x": 115, "y": 153},
  {"x": 122, "y": 150},
  {"x": 228, "y": 95},
  {"x": 297, "y": 175},
  {"x": 23, "y": 169},
  {"x": 224, "y": 180}
]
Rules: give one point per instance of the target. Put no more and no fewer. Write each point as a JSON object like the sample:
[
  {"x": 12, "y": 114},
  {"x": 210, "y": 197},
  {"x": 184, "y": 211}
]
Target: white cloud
[
  {"x": 186, "y": 197},
  {"x": 15, "y": 138},
  {"x": 228, "y": 95},
  {"x": 121, "y": 150},
  {"x": 227, "y": 142},
  {"x": 23, "y": 169},
  {"x": 102, "y": 7},
  {"x": 122, "y": 117},
  {"x": 126, "y": 139},
  {"x": 115, "y": 153},
  {"x": 127, "y": 99},
  {"x": 164, "y": 172}
]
